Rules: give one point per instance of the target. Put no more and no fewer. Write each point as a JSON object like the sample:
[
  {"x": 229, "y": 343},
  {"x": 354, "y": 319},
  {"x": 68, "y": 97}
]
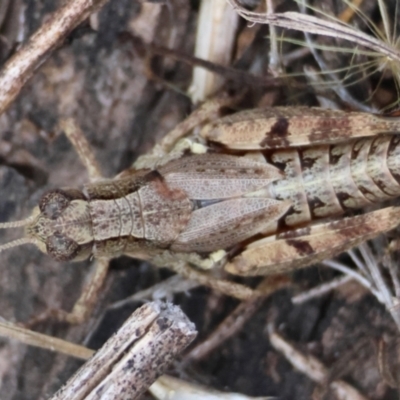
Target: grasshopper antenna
[
  {"x": 21, "y": 241},
  {"x": 17, "y": 224},
  {"x": 16, "y": 243}
]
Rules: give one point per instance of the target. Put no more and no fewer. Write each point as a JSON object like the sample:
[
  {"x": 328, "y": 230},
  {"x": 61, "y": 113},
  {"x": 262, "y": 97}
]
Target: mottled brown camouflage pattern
[{"x": 267, "y": 205}]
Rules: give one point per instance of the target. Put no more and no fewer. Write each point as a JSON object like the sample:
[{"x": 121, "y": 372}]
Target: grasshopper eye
[
  {"x": 54, "y": 203},
  {"x": 61, "y": 247}
]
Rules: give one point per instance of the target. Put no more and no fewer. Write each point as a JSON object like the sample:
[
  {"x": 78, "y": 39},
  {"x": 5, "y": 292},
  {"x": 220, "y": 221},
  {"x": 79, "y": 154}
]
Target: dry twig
[
  {"x": 312, "y": 367},
  {"x": 32, "y": 55},
  {"x": 134, "y": 357}
]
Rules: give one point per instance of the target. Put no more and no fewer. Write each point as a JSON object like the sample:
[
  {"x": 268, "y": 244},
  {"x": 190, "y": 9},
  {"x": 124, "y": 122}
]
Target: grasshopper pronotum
[{"x": 246, "y": 193}]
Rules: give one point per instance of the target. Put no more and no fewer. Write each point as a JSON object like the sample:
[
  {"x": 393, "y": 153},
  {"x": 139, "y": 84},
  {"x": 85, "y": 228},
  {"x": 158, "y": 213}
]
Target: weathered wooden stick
[{"x": 133, "y": 358}]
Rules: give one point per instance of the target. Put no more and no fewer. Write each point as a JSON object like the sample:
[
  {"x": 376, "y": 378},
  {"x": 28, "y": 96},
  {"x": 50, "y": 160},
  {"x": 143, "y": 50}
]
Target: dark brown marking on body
[
  {"x": 277, "y": 135},
  {"x": 280, "y": 165},
  {"x": 306, "y": 162},
  {"x": 280, "y": 128},
  {"x": 73, "y": 193},
  {"x": 343, "y": 197},
  {"x": 315, "y": 203},
  {"x": 302, "y": 247},
  {"x": 164, "y": 190},
  {"x": 282, "y": 225},
  {"x": 366, "y": 192},
  {"x": 110, "y": 190},
  {"x": 269, "y": 158},
  {"x": 382, "y": 186}
]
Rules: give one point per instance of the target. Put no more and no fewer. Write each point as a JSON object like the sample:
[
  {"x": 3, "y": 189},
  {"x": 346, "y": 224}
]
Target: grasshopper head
[{"x": 60, "y": 226}]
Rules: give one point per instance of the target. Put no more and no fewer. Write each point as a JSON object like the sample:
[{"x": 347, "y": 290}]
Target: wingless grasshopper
[{"x": 257, "y": 192}]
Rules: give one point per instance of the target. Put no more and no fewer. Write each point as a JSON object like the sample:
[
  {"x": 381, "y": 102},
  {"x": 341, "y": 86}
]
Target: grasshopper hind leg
[
  {"x": 302, "y": 247},
  {"x": 170, "y": 146}
]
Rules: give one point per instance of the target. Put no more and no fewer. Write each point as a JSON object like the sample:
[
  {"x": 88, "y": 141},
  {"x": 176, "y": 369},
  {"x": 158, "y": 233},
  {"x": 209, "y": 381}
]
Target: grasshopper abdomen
[{"x": 327, "y": 180}]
